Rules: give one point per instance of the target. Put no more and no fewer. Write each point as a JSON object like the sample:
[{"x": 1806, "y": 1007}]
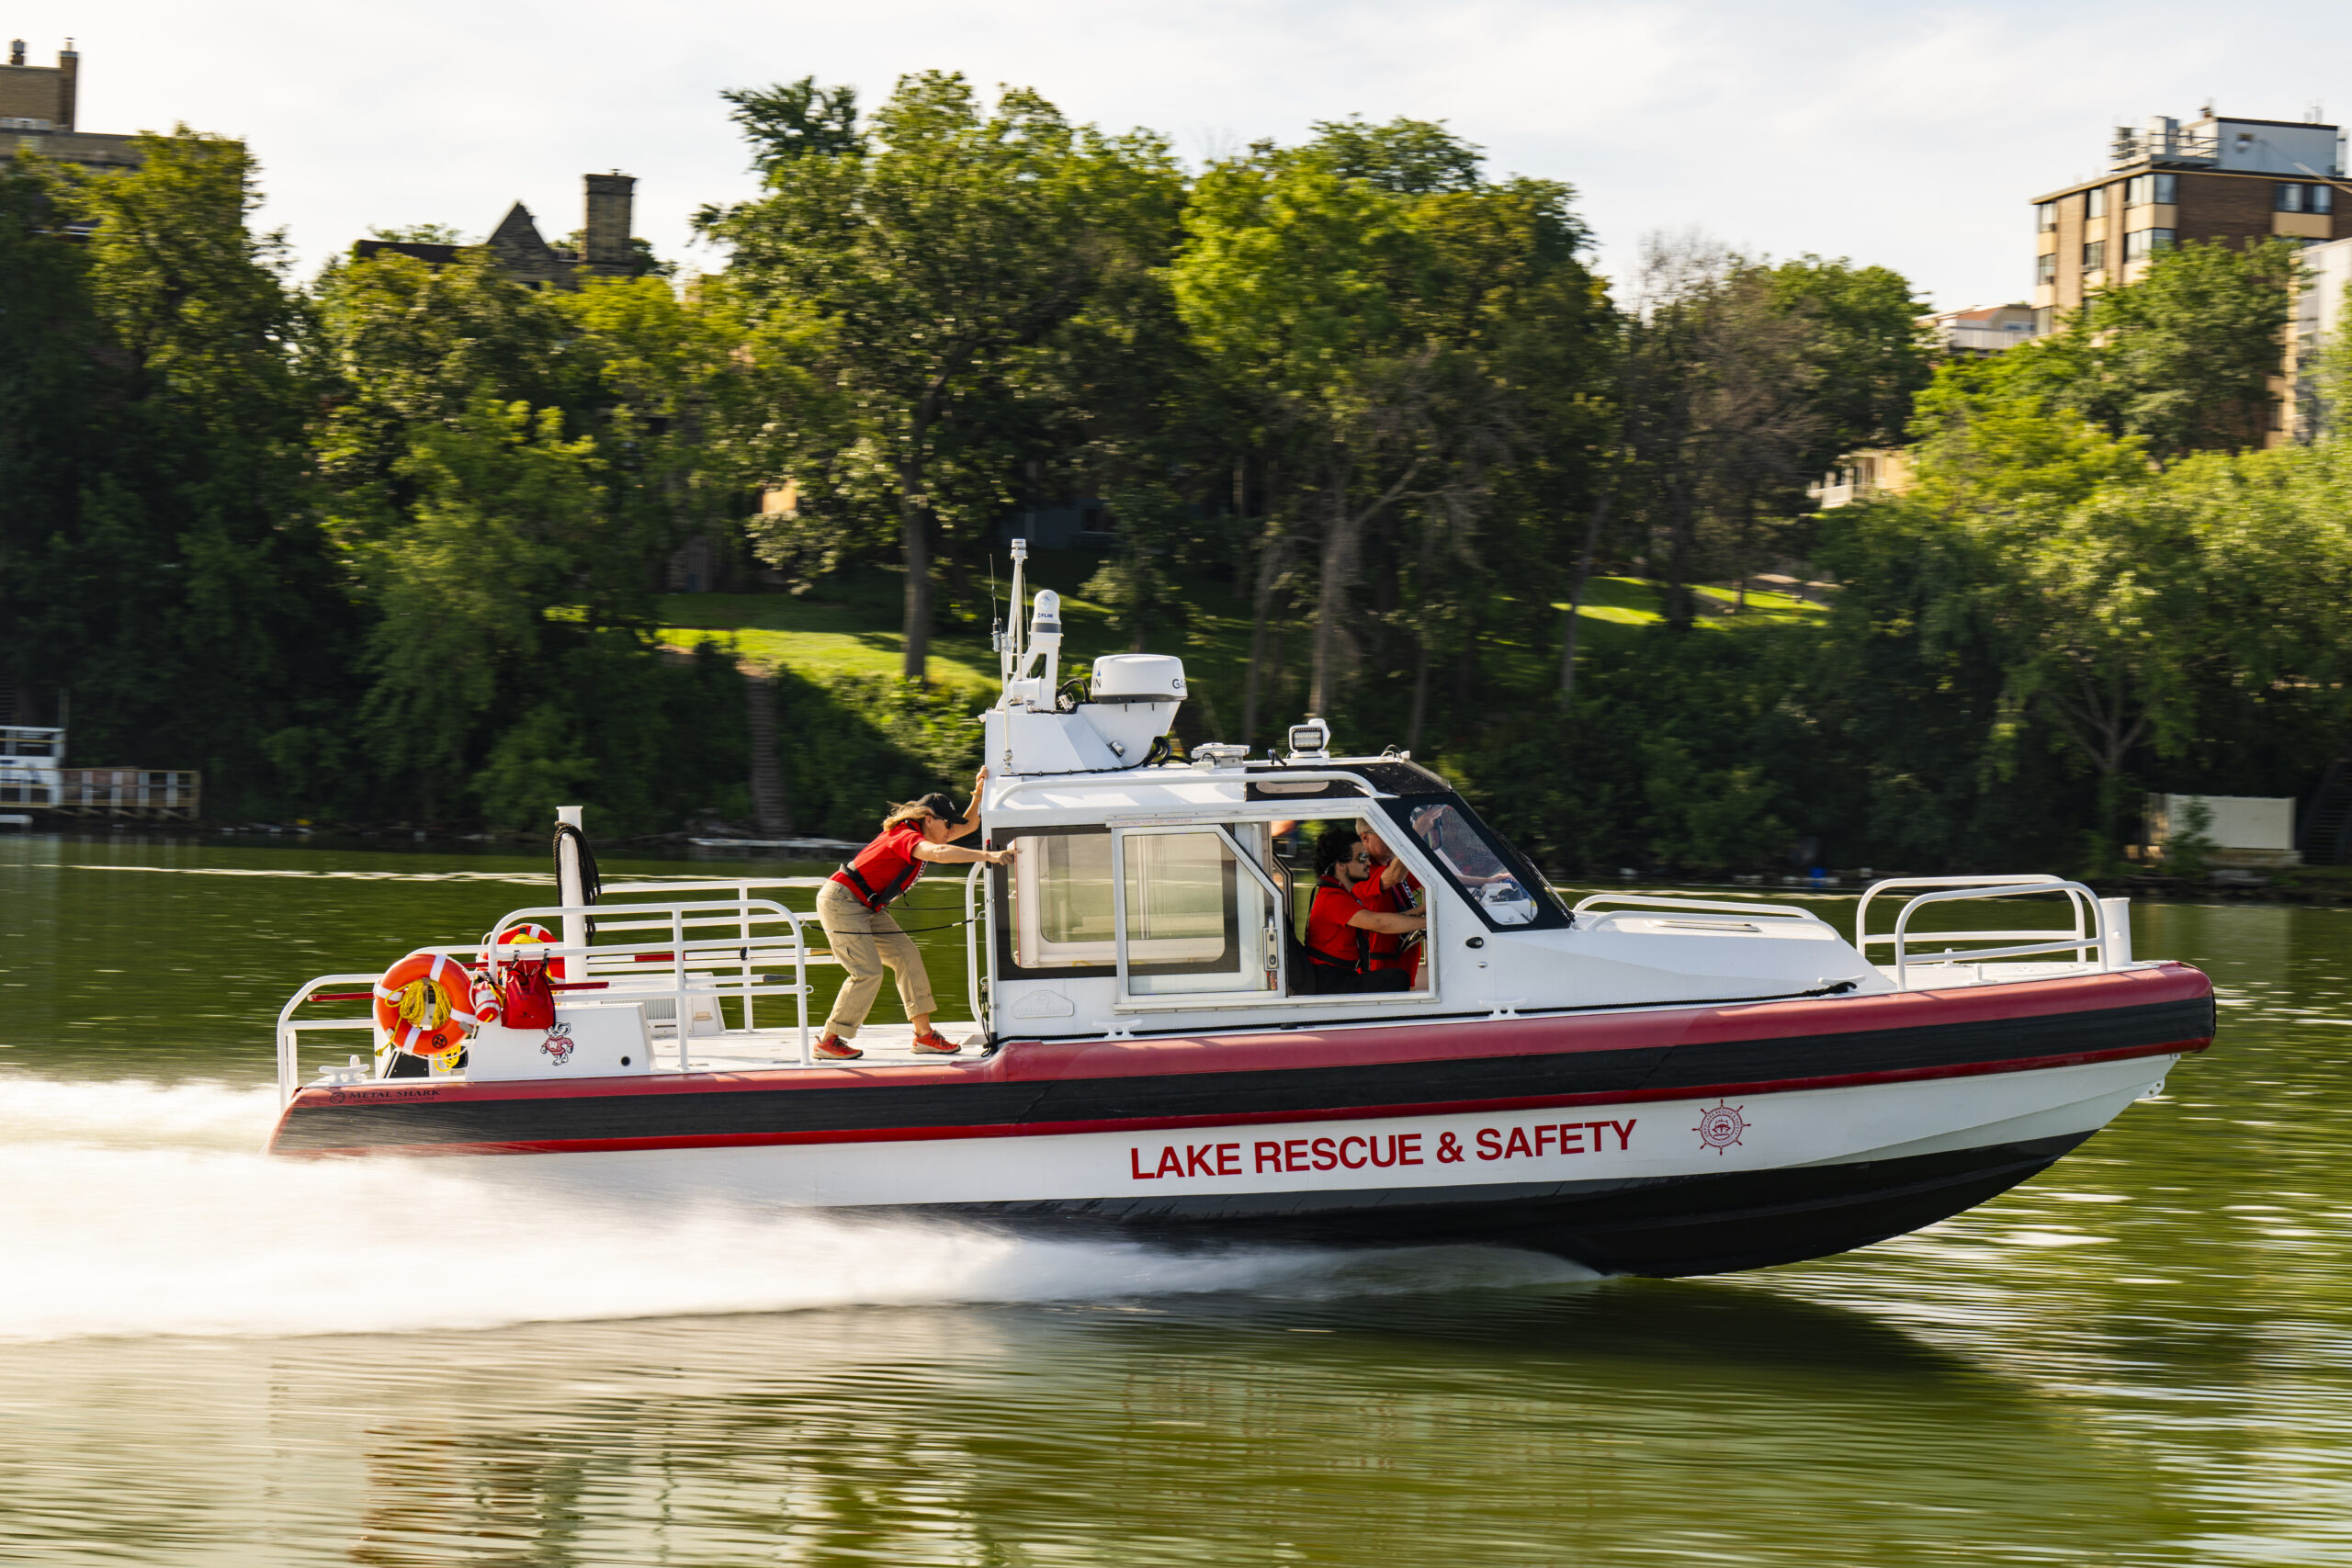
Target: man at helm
[
  {"x": 1389, "y": 888},
  {"x": 1340, "y": 927}
]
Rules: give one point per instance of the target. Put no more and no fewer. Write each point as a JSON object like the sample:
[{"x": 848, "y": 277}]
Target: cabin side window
[
  {"x": 1197, "y": 919},
  {"x": 1061, "y": 901}
]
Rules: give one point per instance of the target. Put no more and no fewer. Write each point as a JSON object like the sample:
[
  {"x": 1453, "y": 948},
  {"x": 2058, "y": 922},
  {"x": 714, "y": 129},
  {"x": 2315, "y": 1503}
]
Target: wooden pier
[{"x": 32, "y": 782}]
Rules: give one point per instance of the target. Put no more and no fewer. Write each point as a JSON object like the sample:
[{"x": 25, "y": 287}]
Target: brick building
[
  {"x": 2212, "y": 178},
  {"x": 606, "y": 249},
  {"x": 2169, "y": 184},
  {"x": 37, "y": 109}
]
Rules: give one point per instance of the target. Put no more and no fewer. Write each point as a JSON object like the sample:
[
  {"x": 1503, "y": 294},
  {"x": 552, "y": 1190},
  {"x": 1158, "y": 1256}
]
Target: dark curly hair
[{"x": 1335, "y": 845}]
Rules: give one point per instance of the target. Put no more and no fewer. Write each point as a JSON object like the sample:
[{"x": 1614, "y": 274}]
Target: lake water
[{"x": 2144, "y": 1357}]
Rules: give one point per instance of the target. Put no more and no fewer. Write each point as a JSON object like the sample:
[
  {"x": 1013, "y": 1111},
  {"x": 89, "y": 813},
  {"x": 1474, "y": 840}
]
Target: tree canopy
[{"x": 1357, "y": 415}]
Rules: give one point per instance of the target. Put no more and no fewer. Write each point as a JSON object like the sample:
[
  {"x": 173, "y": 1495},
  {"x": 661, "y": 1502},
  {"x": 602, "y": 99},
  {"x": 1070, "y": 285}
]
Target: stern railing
[
  {"x": 697, "y": 948},
  {"x": 699, "y": 967},
  {"x": 289, "y": 1029}
]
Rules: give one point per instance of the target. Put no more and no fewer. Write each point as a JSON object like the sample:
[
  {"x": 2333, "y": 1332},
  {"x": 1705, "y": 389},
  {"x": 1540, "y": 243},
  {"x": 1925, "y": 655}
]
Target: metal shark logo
[{"x": 559, "y": 1043}]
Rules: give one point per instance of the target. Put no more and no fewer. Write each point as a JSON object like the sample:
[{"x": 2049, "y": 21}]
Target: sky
[{"x": 1908, "y": 136}]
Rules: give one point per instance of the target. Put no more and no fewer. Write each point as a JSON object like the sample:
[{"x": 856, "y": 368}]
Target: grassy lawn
[
  {"x": 854, "y": 630},
  {"x": 1612, "y": 602},
  {"x": 858, "y": 635}
]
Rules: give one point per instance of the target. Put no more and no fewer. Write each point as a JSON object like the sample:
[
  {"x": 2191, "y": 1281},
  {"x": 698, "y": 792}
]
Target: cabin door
[{"x": 1192, "y": 914}]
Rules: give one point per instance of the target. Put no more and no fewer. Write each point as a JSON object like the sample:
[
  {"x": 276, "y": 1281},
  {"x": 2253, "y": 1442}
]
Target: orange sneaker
[
  {"x": 834, "y": 1048},
  {"x": 931, "y": 1043}
]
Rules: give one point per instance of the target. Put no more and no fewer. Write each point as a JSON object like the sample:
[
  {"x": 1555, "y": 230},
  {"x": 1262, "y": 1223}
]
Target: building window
[
  {"x": 2141, "y": 243},
  {"x": 2320, "y": 199},
  {"x": 2045, "y": 217},
  {"x": 2287, "y": 196},
  {"x": 2095, "y": 255},
  {"x": 2046, "y": 318},
  {"x": 2152, "y": 190},
  {"x": 2045, "y": 269},
  {"x": 2095, "y": 202}
]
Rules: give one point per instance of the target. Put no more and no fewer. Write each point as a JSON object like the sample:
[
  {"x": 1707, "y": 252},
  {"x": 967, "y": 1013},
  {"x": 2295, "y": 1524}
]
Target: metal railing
[
  {"x": 2097, "y": 932},
  {"x": 290, "y": 1029},
  {"x": 2163, "y": 145},
  {"x": 1988, "y": 340},
  {"x": 975, "y": 908},
  {"x": 27, "y": 786},
  {"x": 688, "y": 949},
  {"x": 125, "y": 791},
  {"x": 1221, "y": 811},
  {"x": 1702, "y": 911},
  {"x": 697, "y": 965}
]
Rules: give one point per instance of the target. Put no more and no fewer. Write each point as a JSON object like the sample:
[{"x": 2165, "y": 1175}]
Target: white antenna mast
[{"x": 1008, "y": 655}]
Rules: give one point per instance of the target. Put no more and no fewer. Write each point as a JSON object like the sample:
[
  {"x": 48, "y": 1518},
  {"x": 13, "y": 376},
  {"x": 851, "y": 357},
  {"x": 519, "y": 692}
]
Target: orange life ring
[{"x": 426, "y": 1004}]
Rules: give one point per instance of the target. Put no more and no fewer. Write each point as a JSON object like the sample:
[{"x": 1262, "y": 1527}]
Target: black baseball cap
[{"x": 939, "y": 804}]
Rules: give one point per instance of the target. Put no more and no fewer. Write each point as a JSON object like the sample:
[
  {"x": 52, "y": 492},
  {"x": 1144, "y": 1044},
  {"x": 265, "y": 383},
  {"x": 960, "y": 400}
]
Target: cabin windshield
[{"x": 1495, "y": 878}]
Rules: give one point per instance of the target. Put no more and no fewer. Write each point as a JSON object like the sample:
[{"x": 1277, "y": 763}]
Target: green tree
[
  {"x": 509, "y": 472},
  {"x": 1381, "y": 312},
  {"x": 915, "y": 260},
  {"x": 1868, "y": 355},
  {"x": 1718, "y": 412},
  {"x": 162, "y": 560},
  {"x": 2182, "y": 358}
]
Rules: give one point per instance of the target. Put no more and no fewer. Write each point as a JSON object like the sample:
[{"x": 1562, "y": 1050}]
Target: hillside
[{"x": 854, "y": 629}]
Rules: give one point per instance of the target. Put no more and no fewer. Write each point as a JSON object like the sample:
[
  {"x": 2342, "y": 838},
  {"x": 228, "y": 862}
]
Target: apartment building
[
  {"x": 2169, "y": 183},
  {"x": 39, "y": 106}
]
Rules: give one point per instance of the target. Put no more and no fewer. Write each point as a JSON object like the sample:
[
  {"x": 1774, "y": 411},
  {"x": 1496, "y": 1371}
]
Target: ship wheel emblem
[{"x": 1720, "y": 1128}]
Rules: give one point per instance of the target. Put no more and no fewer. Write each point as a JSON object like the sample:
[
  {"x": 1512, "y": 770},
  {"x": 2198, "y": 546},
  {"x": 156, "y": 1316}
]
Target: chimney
[
  {"x": 605, "y": 248},
  {"x": 69, "y": 67}
]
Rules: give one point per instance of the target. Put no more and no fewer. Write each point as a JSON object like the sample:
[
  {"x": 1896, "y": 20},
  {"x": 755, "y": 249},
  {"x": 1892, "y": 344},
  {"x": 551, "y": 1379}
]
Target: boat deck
[{"x": 885, "y": 1045}]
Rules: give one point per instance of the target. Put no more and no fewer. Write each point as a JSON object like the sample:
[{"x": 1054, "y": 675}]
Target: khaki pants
[{"x": 866, "y": 942}]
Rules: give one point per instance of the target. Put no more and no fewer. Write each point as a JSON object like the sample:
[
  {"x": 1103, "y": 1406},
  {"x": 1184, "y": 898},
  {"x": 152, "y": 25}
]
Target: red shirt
[{"x": 1328, "y": 932}]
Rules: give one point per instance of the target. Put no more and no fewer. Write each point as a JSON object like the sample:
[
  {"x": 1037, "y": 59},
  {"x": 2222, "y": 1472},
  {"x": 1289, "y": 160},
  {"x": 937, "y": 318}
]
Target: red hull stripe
[
  {"x": 1542, "y": 1034},
  {"x": 1156, "y": 1123}
]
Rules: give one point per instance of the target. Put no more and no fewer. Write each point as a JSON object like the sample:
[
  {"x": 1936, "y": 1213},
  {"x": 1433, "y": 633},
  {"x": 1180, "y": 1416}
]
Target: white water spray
[{"x": 139, "y": 1208}]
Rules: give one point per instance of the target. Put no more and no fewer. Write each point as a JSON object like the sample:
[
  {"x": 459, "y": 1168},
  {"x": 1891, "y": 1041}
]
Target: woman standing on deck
[{"x": 853, "y": 907}]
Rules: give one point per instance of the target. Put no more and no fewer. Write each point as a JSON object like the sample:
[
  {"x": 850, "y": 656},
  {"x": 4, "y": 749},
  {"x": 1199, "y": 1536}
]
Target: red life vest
[
  {"x": 883, "y": 869},
  {"x": 1385, "y": 950}
]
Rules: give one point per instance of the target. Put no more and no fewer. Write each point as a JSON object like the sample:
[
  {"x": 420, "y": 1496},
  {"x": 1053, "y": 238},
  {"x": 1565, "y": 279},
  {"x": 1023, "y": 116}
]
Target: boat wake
[{"x": 144, "y": 1209}]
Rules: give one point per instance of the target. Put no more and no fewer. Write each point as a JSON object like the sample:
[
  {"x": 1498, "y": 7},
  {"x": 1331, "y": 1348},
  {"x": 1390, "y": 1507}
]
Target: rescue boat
[{"x": 1643, "y": 1084}]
